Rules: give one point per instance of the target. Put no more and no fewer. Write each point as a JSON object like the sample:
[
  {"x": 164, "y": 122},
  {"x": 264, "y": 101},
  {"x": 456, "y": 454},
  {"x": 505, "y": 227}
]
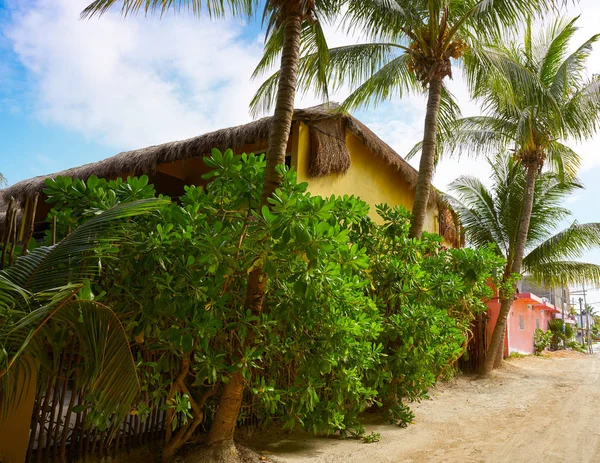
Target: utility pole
[
  {"x": 583, "y": 340},
  {"x": 586, "y": 328},
  {"x": 587, "y": 319},
  {"x": 562, "y": 305}
]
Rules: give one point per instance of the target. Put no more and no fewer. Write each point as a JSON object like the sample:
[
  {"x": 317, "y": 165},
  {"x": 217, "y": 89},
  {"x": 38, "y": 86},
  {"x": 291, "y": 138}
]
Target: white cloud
[
  {"x": 130, "y": 82},
  {"x": 135, "y": 81}
]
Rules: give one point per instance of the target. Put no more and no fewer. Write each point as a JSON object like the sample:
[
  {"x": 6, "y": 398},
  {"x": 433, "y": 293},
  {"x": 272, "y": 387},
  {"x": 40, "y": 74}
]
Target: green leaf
[{"x": 187, "y": 343}]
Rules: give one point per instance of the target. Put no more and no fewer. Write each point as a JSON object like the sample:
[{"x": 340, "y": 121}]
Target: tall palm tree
[
  {"x": 45, "y": 289},
  {"x": 536, "y": 96},
  {"x": 291, "y": 25},
  {"x": 411, "y": 47},
  {"x": 488, "y": 216}
]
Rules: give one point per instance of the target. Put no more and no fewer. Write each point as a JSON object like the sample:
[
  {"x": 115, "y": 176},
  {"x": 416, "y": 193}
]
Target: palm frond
[
  {"x": 449, "y": 111},
  {"x": 388, "y": 20},
  {"x": 571, "y": 243},
  {"x": 490, "y": 16},
  {"x": 448, "y": 117},
  {"x": 75, "y": 258},
  {"x": 212, "y": 8},
  {"x": 476, "y": 208},
  {"x": 38, "y": 292},
  {"x": 548, "y": 210},
  {"x": 109, "y": 376},
  {"x": 475, "y": 136},
  {"x": 497, "y": 68},
  {"x": 559, "y": 273},
  {"x": 394, "y": 79},
  {"x": 312, "y": 71},
  {"x": 581, "y": 113},
  {"x": 493, "y": 215},
  {"x": 325, "y": 72},
  {"x": 553, "y": 54},
  {"x": 563, "y": 160}
]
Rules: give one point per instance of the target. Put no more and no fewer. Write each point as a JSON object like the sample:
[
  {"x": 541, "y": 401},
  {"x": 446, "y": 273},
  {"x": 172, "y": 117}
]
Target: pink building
[{"x": 527, "y": 313}]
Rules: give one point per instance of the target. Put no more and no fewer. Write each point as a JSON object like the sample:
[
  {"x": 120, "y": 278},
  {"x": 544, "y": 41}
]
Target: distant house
[
  {"x": 529, "y": 312},
  {"x": 332, "y": 151}
]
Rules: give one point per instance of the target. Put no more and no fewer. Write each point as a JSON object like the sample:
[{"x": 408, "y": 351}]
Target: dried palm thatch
[
  {"x": 450, "y": 227},
  {"x": 4, "y": 210},
  {"x": 328, "y": 136},
  {"x": 329, "y": 154}
]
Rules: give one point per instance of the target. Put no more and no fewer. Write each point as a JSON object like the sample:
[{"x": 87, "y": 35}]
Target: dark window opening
[{"x": 39, "y": 231}]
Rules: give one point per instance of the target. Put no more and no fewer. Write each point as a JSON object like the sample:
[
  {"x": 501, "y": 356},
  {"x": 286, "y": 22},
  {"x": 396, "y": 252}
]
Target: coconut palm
[
  {"x": 488, "y": 216},
  {"x": 535, "y": 96},
  {"x": 47, "y": 291},
  {"x": 291, "y": 24},
  {"x": 411, "y": 47}
]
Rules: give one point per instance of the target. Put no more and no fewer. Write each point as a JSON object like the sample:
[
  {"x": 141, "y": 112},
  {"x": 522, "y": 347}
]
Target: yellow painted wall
[
  {"x": 14, "y": 430},
  {"x": 369, "y": 177}
]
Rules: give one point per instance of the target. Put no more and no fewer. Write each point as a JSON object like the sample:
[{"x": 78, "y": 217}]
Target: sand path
[{"x": 533, "y": 410}]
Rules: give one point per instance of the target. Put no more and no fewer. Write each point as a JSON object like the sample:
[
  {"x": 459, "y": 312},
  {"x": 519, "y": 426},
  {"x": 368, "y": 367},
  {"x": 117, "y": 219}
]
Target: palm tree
[
  {"x": 3, "y": 181},
  {"x": 290, "y": 25},
  {"x": 488, "y": 216},
  {"x": 48, "y": 288},
  {"x": 412, "y": 45},
  {"x": 535, "y": 95}
]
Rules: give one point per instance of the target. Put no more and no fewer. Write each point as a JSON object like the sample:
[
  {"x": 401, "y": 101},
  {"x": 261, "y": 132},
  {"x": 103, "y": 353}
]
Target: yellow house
[{"x": 332, "y": 151}]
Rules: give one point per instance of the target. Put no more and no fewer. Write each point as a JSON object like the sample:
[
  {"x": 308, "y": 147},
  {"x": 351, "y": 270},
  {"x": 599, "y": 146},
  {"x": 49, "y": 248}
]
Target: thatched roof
[
  {"x": 327, "y": 130},
  {"x": 3, "y": 207}
]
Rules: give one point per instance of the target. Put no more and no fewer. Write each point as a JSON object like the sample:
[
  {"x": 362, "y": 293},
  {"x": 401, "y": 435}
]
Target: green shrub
[
  {"x": 427, "y": 296},
  {"x": 355, "y": 313},
  {"x": 371, "y": 438},
  {"x": 559, "y": 339},
  {"x": 541, "y": 340},
  {"x": 576, "y": 346}
]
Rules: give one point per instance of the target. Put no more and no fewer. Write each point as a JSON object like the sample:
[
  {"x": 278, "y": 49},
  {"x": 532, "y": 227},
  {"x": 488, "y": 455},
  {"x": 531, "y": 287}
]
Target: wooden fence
[
  {"x": 16, "y": 230},
  {"x": 476, "y": 349},
  {"x": 60, "y": 424}
]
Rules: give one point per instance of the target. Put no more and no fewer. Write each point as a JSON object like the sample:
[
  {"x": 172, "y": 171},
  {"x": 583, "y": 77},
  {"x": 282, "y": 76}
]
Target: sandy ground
[{"x": 532, "y": 410}]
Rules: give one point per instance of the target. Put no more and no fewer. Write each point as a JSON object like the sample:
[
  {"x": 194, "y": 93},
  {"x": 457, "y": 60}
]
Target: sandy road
[{"x": 533, "y": 410}]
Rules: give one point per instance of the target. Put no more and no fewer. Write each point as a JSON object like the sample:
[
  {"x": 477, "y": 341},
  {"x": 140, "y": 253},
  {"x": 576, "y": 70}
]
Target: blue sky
[{"x": 73, "y": 92}]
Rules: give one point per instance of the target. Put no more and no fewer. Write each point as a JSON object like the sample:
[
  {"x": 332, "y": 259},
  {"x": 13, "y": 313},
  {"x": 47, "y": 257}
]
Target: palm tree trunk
[
  {"x": 284, "y": 106},
  {"x": 500, "y": 352},
  {"x": 517, "y": 262},
  {"x": 419, "y": 210},
  {"x": 223, "y": 428}
]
